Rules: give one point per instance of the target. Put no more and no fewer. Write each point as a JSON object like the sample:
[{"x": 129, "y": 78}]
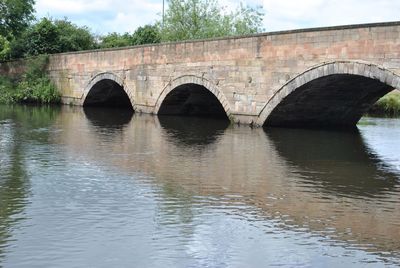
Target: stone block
[
  {"x": 396, "y": 82},
  {"x": 225, "y": 66}
]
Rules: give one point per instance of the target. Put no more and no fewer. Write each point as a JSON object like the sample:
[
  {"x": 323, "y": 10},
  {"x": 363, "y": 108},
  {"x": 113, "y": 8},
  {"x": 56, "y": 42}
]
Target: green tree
[
  {"x": 73, "y": 37},
  {"x": 246, "y": 20},
  {"x": 196, "y": 19},
  {"x": 42, "y": 38},
  {"x": 5, "y": 48},
  {"x": 49, "y": 36},
  {"x": 148, "y": 34},
  {"x": 15, "y": 16},
  {"x": 116, "y": 40}
]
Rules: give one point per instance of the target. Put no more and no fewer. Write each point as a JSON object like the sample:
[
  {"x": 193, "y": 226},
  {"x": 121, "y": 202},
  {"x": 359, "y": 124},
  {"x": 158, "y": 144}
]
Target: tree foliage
[
  {"x": 42, "y": 38},
  {"x": 184, "y": 20},
  {"x": 148, "y": 34},
  {"x": 196, "y": 19},
  {"x": 116, "y": 40},
  {"x": 15, "y": 16},
  {"x": 49, "y": 36},
  {"x": 5, "y": 48},
  {"x": 73, "y": 37}
]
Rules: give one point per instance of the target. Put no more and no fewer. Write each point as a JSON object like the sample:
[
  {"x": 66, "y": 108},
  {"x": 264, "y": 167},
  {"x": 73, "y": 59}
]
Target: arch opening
[
  {"x": 336, "y": 100},
  {"x": 192, "y": 100},
  {"x": 107, "y": 93}
]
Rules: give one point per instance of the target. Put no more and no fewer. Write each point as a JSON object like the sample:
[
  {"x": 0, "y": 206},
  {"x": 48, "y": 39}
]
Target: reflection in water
[
  {"x": 110, "y": 118},
  {"x": 185, "y": 192},
  {"x": 193, "y": 130},
  {"x": 18, "y": 125},
  {"x": 13, "y": 183},
  {"x": 338, "y": 162}
]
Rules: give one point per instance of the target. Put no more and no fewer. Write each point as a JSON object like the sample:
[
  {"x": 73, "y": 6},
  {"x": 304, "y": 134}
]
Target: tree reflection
[
  {"x": 13, "y": 182},
  {"x": 19, "y": 126},
  {"x": 337, "y": 161},
  {"x": 177, "y": 205}
]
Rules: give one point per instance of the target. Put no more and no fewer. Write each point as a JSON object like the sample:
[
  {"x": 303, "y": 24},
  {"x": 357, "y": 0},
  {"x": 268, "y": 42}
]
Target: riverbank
[
  {"x": 33, "y": 86},
  {"x": 387, "y": 106}
]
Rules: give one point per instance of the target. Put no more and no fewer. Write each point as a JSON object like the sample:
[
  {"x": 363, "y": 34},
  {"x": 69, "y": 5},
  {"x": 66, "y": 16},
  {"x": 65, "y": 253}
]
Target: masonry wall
[{"x": 248, "y": 71}]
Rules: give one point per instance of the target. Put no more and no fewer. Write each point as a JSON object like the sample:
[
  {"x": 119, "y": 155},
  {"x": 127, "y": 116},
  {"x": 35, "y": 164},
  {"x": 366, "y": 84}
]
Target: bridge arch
[
  {"x": 330, "y": 94},
  {"x": 203, "y": 97},
  {"x": 107, "y": 89}
]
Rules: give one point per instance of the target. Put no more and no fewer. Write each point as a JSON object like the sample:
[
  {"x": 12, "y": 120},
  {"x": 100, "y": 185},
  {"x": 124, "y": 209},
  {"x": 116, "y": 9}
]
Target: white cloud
[
  {"x": 287, "y": 14},
  {"x": 133, "y": 16},
  {"x": 104, "y": 16},
  {"x": 71, "y": 6}
]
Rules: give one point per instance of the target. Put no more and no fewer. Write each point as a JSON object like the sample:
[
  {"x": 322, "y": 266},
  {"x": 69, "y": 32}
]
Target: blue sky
[{"x": 104, "y": 16}]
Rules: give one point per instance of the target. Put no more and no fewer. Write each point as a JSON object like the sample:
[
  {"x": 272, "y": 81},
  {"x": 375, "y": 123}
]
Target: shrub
[
  {"x": 33, "y": 87},
  {"x": 388, "y": 105}
]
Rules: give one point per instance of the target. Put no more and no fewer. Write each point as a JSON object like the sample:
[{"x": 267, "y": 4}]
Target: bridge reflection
[
  {"x": 194, "y": 131},
  {"x": 308, "y": 179},
  {"x": 336, "y": 162},
  {"x": 109, "y": 118}
]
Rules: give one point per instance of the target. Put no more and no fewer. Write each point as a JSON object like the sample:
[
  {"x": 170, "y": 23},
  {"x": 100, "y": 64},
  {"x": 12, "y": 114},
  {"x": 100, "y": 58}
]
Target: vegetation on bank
[
  {"x": 388, "y": 105},
  {"x": 21, "y": 35},
  {"x": 34, "y": 86}
]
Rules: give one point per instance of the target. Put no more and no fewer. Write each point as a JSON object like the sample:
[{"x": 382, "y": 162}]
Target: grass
[
  {"x": 364, "y": 122},
  {"x": 388, "y": 105}
]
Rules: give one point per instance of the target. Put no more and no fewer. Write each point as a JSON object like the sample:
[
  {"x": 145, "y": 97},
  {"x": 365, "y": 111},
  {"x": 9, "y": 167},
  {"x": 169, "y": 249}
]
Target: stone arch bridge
[{"x": 312, "y": 77}]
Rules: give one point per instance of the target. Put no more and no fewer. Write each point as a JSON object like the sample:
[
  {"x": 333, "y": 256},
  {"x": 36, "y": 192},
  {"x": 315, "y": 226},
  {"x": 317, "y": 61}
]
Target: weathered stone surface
[{"x": 250, "y": 76}]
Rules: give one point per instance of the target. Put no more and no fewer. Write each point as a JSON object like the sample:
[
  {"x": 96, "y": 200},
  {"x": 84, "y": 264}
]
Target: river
[{"x": 107, "y": 188}]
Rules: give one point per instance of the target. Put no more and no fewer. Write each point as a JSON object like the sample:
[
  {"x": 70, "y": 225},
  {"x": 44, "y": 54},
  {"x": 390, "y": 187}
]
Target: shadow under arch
[
  {"x": 338, "y": 162},
  {"x": 184, "y": 131},
  {"x": 192, "y": 96},
  {"x": 107, "y": 90},
  {"x": 334, "y": 94},
  {"x": 110, "y": 118}
]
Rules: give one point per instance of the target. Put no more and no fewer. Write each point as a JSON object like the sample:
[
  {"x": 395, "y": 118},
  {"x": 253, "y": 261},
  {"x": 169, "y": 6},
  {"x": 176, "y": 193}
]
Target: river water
[{"x": 105, "y": 188}]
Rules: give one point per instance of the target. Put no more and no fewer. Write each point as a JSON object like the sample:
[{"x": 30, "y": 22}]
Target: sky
[{"x": 104, "y": 16}]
